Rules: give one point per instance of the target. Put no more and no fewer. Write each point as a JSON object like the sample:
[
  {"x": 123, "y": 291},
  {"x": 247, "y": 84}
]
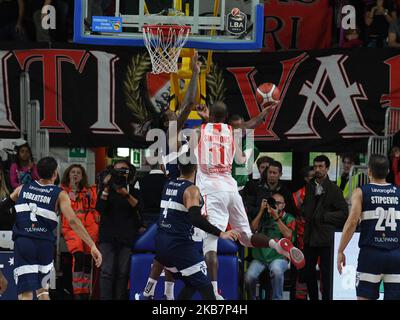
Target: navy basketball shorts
[
  {"x": 185, "y": 262},
  {"x": 33, "y": 260},
  {"x": 376, "y": 265}
]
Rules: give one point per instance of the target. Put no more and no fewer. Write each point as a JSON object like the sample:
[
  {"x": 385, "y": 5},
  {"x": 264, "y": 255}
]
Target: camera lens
[{"x": 272, "y": 202}]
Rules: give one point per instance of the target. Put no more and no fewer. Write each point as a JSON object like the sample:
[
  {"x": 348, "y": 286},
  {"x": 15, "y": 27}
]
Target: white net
[{"x": 164, "y": 44}]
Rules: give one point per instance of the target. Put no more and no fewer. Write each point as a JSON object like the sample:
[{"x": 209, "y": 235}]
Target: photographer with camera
[
  {"x": 120, "y": 223},
  {"x": 275, "y": 223},
  {"x": 269, "y": 184}
]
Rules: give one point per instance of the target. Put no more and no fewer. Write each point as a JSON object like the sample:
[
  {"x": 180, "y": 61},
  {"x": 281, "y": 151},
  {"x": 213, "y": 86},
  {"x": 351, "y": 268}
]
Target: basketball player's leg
[
  {"x": 391, "y": 278},
  {"x": 45, "y": 255},
  {"x": 26, "y": 268},
  {"x": 43, "y": 294},
  {"x": 186, "y": 293},
  {"x": 155, "y": 274},
  {"x": 239, "y": 221},
  {"x": 206, "y": 291},
  {"x": 27, "y": 295},
  {"x": 193, "y": 271},
  {"x": 369, "y": 273},
  {"x": 216, "y": 210}
]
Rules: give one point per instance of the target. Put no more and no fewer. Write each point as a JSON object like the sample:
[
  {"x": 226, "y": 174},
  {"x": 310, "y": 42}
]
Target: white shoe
[{"x": 219, "y": 297}]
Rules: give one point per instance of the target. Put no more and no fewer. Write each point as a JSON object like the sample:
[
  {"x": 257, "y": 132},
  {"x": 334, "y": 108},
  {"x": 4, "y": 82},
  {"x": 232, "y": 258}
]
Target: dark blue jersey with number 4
[
  {"x": 380, "y": 216},
  {"x": 174, "y": 223}
]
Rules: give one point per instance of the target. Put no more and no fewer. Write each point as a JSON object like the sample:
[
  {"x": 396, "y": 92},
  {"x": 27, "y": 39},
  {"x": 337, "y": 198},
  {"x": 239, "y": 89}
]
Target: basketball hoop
[{"x": 164, "y": 43}]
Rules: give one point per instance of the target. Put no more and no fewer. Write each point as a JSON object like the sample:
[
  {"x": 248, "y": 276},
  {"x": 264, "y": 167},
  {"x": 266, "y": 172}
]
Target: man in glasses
[{"x": 275, "y": 223}]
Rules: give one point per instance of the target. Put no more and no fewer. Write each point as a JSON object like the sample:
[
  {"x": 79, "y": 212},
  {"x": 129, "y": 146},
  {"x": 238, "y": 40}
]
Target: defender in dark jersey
[
  {"x": 172, "y": 123},
  {"x": 377, "y": 205},
  {"x": 180, "y": 212},
  {"x": 33, "y": 232}
]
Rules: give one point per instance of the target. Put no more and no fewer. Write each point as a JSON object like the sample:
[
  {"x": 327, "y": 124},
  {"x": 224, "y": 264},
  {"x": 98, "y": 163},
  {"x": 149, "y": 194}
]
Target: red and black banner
[
  {"x": 331, "y": 100},
  {"x": 297, "y": 24}
]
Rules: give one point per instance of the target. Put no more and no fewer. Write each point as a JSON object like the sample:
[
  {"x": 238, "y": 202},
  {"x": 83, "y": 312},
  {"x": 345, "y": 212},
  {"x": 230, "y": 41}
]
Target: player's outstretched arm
[
  {"x": 76, "y": 225},
  {"x": 349, "y": 227},
  {"x": 191, "y": 200},
  {"x": 189, "y": 100},
  {"x": 7, "y": 203},
  {"x": 257, "y": 120}
]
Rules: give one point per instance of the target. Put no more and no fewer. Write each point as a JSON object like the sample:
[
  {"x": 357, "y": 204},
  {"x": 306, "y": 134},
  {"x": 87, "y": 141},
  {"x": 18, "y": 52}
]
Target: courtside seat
[
  {"x": 146, "y": 243},
  {"x": 142, "y": 259}
]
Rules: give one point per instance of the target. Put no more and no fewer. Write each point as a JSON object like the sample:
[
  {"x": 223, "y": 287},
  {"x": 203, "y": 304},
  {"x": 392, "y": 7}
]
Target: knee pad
[{"x": 210, "y": 243}]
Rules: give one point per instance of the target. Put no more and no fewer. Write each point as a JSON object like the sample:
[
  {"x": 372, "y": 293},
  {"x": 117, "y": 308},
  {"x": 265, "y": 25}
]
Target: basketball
[
  {"x": 266, "y": 94},
  {"x": 235, "y": 11}
]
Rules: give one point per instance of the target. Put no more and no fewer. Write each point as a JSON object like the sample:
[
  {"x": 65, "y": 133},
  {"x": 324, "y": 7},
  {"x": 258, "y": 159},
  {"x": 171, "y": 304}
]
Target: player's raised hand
[
  {"x": 231, "y": 234},
  {"x": 341, "y": 261},
  {"x": 203, "y": 112},
  {"x": 271, "y": 106}
]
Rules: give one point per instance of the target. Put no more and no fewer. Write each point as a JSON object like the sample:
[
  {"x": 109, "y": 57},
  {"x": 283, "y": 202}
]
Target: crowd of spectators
[
  {"x": 377, "y": 23},
  {"x": 112, "y": 215},
  {"x": 117, "y": 210},
  {"x": 21, "y": 20}
]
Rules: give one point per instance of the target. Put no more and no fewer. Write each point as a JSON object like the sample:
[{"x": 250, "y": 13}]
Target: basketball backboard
[{"x": 233, "y": 30}]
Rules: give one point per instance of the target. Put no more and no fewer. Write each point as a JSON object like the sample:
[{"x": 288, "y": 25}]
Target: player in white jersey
[{"x": 222, "y": 201}]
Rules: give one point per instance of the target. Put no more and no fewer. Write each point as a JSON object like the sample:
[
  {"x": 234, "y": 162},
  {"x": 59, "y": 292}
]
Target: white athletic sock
[
  {"x": 150, "y": 287},
  {"x": 169, "y": 290},
  {"x": 215, "y": 286}
]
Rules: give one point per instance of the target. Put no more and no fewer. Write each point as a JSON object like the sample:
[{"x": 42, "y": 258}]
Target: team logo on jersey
[{"x": 203, "y": 268}]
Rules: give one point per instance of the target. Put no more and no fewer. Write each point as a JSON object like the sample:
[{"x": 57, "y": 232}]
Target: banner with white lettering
[
  {"x": 331, "y": 100},
  {"x": 297, "y": 24}
]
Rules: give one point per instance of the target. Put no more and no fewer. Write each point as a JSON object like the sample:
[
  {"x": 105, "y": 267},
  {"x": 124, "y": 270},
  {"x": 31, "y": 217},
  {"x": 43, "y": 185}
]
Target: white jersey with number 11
[{"x": 216, "y": 152}]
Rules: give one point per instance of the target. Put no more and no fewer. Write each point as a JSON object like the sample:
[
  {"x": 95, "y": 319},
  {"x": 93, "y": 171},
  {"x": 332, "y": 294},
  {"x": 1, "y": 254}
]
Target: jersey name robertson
[
  {"x": 380, "y": 216},
  {"x": 35, "y": 208}
]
